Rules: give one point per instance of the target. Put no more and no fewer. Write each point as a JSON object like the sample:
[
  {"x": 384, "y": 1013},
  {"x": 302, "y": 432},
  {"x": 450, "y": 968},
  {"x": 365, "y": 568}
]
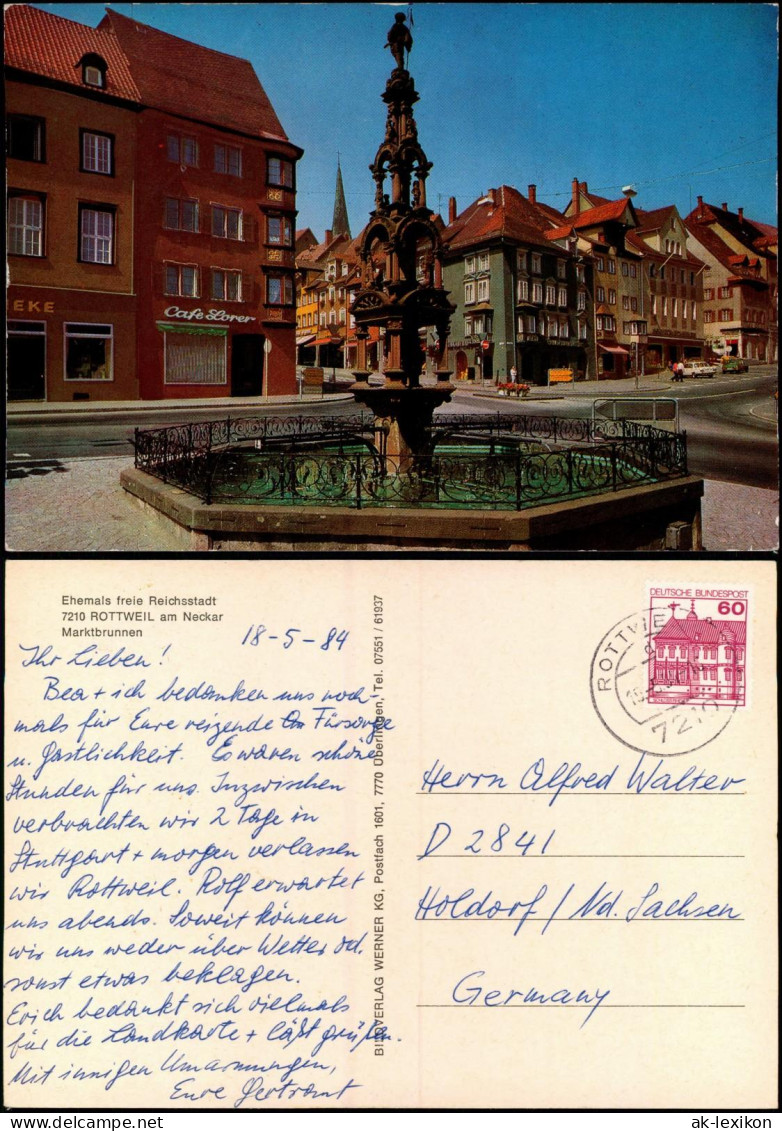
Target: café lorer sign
[{"x": 212, "y": 315}]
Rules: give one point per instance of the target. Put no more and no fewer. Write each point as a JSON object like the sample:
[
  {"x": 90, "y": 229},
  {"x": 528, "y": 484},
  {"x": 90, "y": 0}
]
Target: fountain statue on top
[{"x": 401, "y": 272}]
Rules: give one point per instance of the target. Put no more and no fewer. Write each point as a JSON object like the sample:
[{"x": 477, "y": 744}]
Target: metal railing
[{"x": 339, "y": 461}]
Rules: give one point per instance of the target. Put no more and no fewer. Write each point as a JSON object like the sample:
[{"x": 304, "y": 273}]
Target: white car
[{"x": 699, "y": 369}]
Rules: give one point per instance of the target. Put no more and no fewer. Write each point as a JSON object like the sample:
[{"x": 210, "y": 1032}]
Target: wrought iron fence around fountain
[{"x": 340, "y": 461}]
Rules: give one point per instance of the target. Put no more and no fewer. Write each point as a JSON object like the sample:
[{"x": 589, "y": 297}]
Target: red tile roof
[
  {"x": 704, "y": 219},
  {"x": 502, "y": 213},
  {"x": 613, "y": 210},
  {"x": 651, "y": 221},
  {"x": 45, "y": 44},
  {"x": 196, "y": 82}
]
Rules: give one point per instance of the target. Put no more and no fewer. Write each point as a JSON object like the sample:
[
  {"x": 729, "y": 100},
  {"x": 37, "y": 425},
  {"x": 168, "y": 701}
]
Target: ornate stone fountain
[{"x": 401, "y": 269}]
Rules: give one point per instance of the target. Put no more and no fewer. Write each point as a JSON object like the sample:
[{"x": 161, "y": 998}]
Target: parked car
[
  {"x": 699, "y": 369},
  {"x": 734, "y": 365}
]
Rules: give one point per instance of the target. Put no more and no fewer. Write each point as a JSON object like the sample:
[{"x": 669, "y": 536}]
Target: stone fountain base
[{"x": 660, "y": 516}]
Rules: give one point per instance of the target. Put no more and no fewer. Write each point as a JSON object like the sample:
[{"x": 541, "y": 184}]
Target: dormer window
[{"x": 93, "y": 70}]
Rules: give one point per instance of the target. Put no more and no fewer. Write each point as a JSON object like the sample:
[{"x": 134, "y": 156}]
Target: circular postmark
[{"x": 619, "y": 685}]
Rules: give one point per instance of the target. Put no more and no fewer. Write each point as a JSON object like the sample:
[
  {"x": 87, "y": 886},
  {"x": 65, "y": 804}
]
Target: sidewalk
[{"x": 78, "y": 506}]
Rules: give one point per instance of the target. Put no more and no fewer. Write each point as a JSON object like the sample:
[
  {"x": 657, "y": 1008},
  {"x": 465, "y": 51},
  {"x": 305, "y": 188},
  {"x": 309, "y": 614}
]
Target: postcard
[{"x": 405, "y": 833}]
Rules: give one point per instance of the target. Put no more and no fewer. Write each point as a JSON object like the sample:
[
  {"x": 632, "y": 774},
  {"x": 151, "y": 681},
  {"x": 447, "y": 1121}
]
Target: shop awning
[
  {"x": 305, "y": 339},
  {"x": 178, "y": 328},
  {"x": 614, "y": 349}
]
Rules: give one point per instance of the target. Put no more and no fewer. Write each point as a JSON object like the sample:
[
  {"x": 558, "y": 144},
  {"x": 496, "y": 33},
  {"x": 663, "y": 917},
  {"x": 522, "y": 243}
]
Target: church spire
[{"x": 340, "y": 225}]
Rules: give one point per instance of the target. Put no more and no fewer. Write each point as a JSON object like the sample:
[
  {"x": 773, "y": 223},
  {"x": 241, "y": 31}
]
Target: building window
[
  {"x": 634, "y": 304},
  {"x": 536, "y": 263},
  {"x": 581, "y": 301},
  {"x": 652, "y": 270},
  {"x": 280, "y": 172},
  {"x": 181, "y": 215},
  {"x": 537, "y": 292},
  {"x": 561, "y": 296},
  {"x": 530, "y": 323},
  {"x": 227, "y": 285},
  {"x": 25, "y": 225},
  {"x": 612, "y": 298},
  {"x": 582, "y": 331},
  {"x": 561, "y": 268},
  {"x": 580, "y": 273},
  {"x": 625, "y": 302},
  {"x": 280, "y": 231},
  {"x": 553, "y": 328},
  {"x": 551, "y": 294},
  {"x": 726, "y": 314},
  {"x": 228, "y": 159},
  {"x": 88, "y": 352},
  {"x": 521, "y": 261},
  {"x": 182, "y": 279},
  {"x": 611, "y": 267},
  {"x": 522, "y": 290},
  {"x": 195, "y": 357},
  {"x": 97, "y": 153},
  {"x": 483, "y": 261},
  {"x": 601, "y": 294},
  {"x": 708, "y": 316},
  {"x": 610, "y": 323},
  {"x": 469, "y": 293},
  {"x": 599, "y": 263},
  {"x": 625, "y": 269},
  {"x": 708, "y": 293},
  {"x": 665, "y": 306},
  {"x": 633, "y": 271},
  {"x": 725, "y": 292},
  {"x": 182, "y": 150},
  {"x": 692, "y": 278},
  {"x": 468, "y": 326},
  {"x": 226, "y": 222},
  {"x": 25, "y": 137},
  {"x": 93, "y": 70},
  {"x": 96, "y": 234},
  {"x": 469, "y": 265},
  {"x": 279, "y": 290},
  {"x": 483, "y": 290}
]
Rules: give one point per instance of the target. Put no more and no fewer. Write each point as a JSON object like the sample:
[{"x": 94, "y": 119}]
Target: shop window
[
  {"x": 181, "y": 279},
  {"x": 182, "y": 150},
  {"x": 279, "y": 290},
  {"x": 89, "y": 352},
  {"x": 227, "y": 285},
  {"x": 97, "y": 153},
  {"x": 25, "y": 225},
  {"x": 25, "y": 137},
  {"x": 228, "y": 159},
  {"x": 280, "y": 172},
  {"x": 195, "y": 356},
  {"x": 96, "y": 234},
  {"x": 181, "y": 215},
  {"x": 226, "y": 222}
]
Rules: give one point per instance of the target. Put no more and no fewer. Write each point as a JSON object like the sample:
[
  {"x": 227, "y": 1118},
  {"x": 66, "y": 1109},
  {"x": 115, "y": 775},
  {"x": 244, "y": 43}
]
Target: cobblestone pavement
[{"x": 78, "y": 506}]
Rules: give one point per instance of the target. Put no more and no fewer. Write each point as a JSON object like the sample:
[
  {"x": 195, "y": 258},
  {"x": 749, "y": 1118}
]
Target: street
[{"x": 726, "y": 440}]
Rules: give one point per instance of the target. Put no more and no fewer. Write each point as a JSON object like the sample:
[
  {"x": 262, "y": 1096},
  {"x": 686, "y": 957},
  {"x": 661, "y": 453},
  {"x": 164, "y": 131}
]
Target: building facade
[
  {"x": 516, "y": 292},
  {"x": 740, "y": 316},
  {"x": 673, "y": 279},
  {"x": 151, "y": 217}
]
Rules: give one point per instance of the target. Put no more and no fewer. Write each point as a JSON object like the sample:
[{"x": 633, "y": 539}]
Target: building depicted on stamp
[
  {"x": 151, "y": 216},
  {"x": 698, "y": 660}
]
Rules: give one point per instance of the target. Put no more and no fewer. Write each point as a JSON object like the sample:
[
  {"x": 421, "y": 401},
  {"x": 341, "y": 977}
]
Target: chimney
[
  {"x": 576, "y": 198},
  {"x": 451, "y": 209},
  {"x": 532, "y": 193},
  {"x": 490, "y": 194},
  {"x": 584, "y": 187},
  {"x": 329, "y": 236},
  {"x": 700, "y": 206},
  {"x": 724, "y": 207},
  {"x": 741, "y": 215}
]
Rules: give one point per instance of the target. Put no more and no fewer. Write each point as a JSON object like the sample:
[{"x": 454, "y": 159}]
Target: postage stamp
[
  {"x": 700, "y": 653},
  {"x": 668, "y": 679}
]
